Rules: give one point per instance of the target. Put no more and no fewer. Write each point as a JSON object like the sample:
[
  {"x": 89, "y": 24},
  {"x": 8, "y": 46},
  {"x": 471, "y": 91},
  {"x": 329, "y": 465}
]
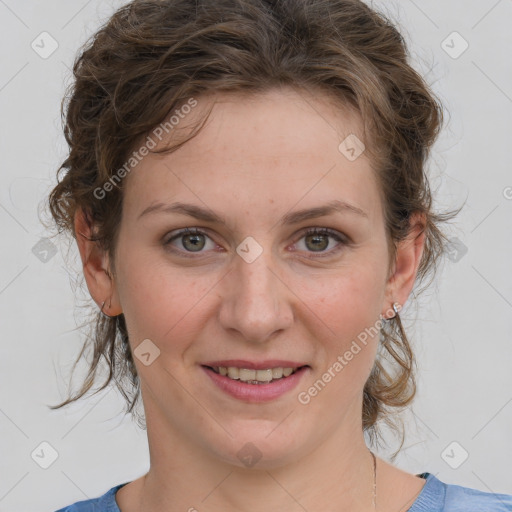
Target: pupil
[
  {"x": 318, "y": 238},
  {"x": 195, "y": 242}
]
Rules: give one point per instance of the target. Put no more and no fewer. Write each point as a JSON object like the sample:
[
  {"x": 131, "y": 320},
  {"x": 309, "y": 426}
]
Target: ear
[
  {"x": 96, "y": 266},
  {"x": 408, "y": 257}
]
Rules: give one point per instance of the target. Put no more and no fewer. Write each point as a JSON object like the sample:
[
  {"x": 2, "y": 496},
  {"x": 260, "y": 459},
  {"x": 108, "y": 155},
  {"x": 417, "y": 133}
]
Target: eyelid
[
  {"x": 185, "y": 231},
  {"x": 342, "y": 239},
  {"x": 324, "y": 231}
]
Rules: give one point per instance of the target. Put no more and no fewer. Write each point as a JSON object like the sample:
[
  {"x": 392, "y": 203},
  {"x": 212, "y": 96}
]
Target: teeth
[
  {"x": 233, "y": 373},
  {"x": 254, "y": 376},
  {"x": 246, "y": 375},
  {"x": 277, "y": 373},
  {"x": 263, "y": 375}
]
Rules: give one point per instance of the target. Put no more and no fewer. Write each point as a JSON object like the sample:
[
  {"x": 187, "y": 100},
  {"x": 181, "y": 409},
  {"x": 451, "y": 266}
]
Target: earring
[
  {"x": 396, "y": 308},
  {"x": 109, "y": 306}
]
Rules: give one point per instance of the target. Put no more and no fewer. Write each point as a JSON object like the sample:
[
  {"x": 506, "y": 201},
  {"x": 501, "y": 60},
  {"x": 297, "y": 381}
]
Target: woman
[{"x": 246, "y": 185}]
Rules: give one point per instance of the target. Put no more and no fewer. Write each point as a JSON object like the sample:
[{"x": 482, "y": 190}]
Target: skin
[{"x": 255, "y": 160}]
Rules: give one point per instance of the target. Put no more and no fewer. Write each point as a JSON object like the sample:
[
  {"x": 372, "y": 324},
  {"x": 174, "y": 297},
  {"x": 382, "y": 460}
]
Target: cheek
[
  {"x": 349, "y": 304},
  {"x": 162, "y": 303},
  {"x": 351, "y": 310},
  {"x": 349, "y": 301}
]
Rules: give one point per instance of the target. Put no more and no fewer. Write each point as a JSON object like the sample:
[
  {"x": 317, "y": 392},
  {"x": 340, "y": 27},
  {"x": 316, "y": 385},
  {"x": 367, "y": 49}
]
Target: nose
[{"x": 256, "y": 302}]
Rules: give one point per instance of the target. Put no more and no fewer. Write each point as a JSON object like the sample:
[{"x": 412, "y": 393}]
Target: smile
[
  {"x": 255, "y": 385},
  {"x": 254, "y": 376}
]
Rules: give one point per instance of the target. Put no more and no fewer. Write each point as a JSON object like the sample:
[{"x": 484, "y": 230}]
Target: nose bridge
[{"x": 255, "y": 304}]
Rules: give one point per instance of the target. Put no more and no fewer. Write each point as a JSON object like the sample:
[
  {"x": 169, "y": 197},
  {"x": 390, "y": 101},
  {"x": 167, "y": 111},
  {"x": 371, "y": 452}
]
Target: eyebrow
[{"x": 335, "y": 206}]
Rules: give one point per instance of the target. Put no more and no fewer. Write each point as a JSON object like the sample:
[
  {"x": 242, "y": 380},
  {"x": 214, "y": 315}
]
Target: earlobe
[
  {"x": 408, "y": 258},
  {"x": 96, "y": 266}
]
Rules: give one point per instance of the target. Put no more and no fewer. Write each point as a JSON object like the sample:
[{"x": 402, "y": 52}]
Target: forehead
[
  {"x": 281, "y": 145},
  {"x": 276, "y": 121}
]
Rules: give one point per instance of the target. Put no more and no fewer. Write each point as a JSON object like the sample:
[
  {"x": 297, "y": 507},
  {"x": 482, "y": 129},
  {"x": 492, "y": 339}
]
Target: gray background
[{"x": 461, "y": 334}]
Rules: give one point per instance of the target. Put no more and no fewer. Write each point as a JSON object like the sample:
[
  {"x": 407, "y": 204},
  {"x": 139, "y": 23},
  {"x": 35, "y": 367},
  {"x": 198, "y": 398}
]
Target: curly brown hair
[{"x": 160, "y": 53}]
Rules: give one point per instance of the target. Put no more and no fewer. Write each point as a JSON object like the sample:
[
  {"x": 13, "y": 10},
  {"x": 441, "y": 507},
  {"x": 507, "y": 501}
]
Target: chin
[{"x": 260, "y": 448}]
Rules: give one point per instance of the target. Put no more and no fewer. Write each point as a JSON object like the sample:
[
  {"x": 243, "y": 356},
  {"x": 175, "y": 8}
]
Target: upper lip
[{"x": 255, "y": 365}]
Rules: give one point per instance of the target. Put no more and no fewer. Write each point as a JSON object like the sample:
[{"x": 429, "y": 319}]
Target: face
[{"x": 259, "y": 286}]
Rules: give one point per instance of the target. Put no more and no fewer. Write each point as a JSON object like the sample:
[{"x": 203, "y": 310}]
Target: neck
[{"x": 335, "y": 471}]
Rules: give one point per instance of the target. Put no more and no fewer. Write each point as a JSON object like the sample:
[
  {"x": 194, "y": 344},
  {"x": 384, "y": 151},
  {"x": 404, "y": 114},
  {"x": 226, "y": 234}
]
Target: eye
[
  {"x": 317, "y": 240},
  {"x": 192, "y": 240}
]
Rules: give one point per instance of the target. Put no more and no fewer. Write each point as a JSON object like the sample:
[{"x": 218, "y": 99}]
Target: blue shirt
[{"x": 435, "y": 496}]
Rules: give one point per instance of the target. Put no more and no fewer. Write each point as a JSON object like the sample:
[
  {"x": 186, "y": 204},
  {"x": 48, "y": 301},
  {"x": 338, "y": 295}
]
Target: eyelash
[{"x": 311, "y": 231}]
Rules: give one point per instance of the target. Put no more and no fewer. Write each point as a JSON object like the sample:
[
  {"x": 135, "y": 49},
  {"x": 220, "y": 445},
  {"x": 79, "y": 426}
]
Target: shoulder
[
  {"x": 438, "y": 496},
  {"x": 105, "y": 503},
  {"x": 466, "y": 499}
]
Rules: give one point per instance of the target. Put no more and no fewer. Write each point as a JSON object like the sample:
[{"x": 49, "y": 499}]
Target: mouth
[
  {"x": 255, "y": 382},
  {"x": 255, "y": 376}
]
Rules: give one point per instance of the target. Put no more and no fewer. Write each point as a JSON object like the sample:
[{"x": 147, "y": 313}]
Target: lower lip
[{"x": 255, "y": 393}]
